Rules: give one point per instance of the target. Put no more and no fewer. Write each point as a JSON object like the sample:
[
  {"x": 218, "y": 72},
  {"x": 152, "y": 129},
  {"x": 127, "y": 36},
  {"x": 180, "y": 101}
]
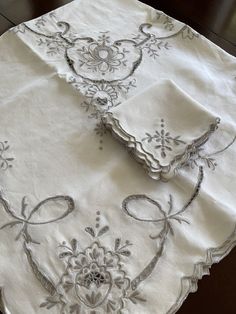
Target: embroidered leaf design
[
  {"x": 74, "y": 244},
  {"x": 117, "y": 243},
  {"x": 95, "y": 254},
  {"x": 163, "y": 154},
  {"x": 90, "y": 231},
  {"x": 125, "y": 253},
  {"x": 170, "y": 203},
  {"x": 11, "y": 224},
  {"x": 23, "y": 206},
  {"x": 108, "y": 262},
  {"x": 111, "y": 306},
  {"x": 135, "y": 297},
  {"x": 119, "y": 282},
  {"x": 83, "y": 260},
  {"x": 103, "y": 230},
  {"x": 68, "y": 286},
  {"x": 65, "y": 254},
  {"x": 93, "y": 298},
  {"x": 49, "y": 303}
]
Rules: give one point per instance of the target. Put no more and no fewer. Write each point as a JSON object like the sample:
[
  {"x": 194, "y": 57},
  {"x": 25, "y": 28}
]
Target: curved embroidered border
[
  {"x": 214, "y": 255},
  {"x": 152, "y": 165}
]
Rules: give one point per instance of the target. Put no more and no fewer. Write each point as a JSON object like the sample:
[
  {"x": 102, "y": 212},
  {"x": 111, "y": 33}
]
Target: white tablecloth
[{"x": 83, "y": 228}]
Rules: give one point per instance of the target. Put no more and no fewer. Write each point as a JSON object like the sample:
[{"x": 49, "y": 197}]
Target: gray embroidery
[
  {"x": 102, "y": 68},
  {"x": 152, "y": 163},
  {"x": 167, "y": 219},
  {"x": 164, "y": 139},
  {"x": 200, "y": 157},
  {"x": 25, "y": 217},
  {"x": 155, "y": 44},
  {"x": 95, "y": 277},
  {"x": 44, "y": 279},
  {"x": 5, "y": 161},
  {"x": 167, "y": 21},
  {"x": 100, "y": 130},
  {"x": 102, "y": 56}
]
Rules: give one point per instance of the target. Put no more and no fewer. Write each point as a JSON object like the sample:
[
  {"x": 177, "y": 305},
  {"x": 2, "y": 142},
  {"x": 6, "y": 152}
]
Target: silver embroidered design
[
  {"x": 200, "y": 157},
  {"x": 95, "y": 277},
  {"x": 5, "y": 161},
  {"x": 102, "y": 68},
  {"x": 102, "y": 55},
  {"x": 163, "y": 139},
  {"x": 34, "y": 217}
]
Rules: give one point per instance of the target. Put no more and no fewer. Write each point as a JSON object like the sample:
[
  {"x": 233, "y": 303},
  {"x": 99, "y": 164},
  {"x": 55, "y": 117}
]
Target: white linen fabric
[
  {"x": 163, "y": 127},
  {"x": 83, "y": 228}
]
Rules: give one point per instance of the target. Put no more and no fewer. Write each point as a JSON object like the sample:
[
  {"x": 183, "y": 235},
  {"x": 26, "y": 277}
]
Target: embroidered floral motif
[
  {"x": 102, "y": 56},
  {"x": 95, "y": 278},
  {"x": 102, "y": 68},
  {"x": 164, "y": 140},
  {"x": 5, "y": 162}
]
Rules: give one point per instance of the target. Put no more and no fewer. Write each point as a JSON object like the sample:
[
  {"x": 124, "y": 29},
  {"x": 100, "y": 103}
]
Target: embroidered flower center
[{"x": 103, "y": 53}]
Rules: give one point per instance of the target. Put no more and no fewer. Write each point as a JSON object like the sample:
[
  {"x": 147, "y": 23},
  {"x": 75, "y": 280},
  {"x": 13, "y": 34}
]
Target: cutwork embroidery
[
  {"x": 102, "y": 68},
  {"x": 95, "y": 277},
  {"x": 5, "y": 162},
  {"x": 164, "y": 140}
]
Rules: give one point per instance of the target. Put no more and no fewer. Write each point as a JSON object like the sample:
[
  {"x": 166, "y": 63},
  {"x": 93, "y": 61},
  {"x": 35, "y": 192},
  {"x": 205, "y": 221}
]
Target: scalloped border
[
  {"x": 150, "y": 163},
  {"x": 213, "y": 256}
]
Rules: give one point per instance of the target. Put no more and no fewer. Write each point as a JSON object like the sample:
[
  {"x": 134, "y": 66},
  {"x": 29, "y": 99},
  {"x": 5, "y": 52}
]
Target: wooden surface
[{"x": 215, "y": 19}]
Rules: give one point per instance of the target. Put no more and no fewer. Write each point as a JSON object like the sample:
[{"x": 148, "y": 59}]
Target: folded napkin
[
  {"x": 163, "y": 127},
  {"x": 82, "y": 228}
]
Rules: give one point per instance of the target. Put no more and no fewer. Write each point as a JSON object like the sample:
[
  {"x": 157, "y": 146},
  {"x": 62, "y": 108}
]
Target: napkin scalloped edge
[{"x": 148, "y": 161}]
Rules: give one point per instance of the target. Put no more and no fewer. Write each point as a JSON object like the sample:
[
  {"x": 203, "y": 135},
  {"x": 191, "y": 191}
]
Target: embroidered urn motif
[{"x": 95, "y": 278}]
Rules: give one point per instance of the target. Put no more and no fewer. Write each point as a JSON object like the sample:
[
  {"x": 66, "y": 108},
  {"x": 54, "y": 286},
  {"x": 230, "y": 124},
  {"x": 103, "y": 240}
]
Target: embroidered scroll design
[
  {"x": 95, "y": 277},
  {"x": 33, "y": 217},
  {"x": 5, "y": 161},
  {"x": 102, "y": 69},
  {"x": 164, "y": 140}
]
